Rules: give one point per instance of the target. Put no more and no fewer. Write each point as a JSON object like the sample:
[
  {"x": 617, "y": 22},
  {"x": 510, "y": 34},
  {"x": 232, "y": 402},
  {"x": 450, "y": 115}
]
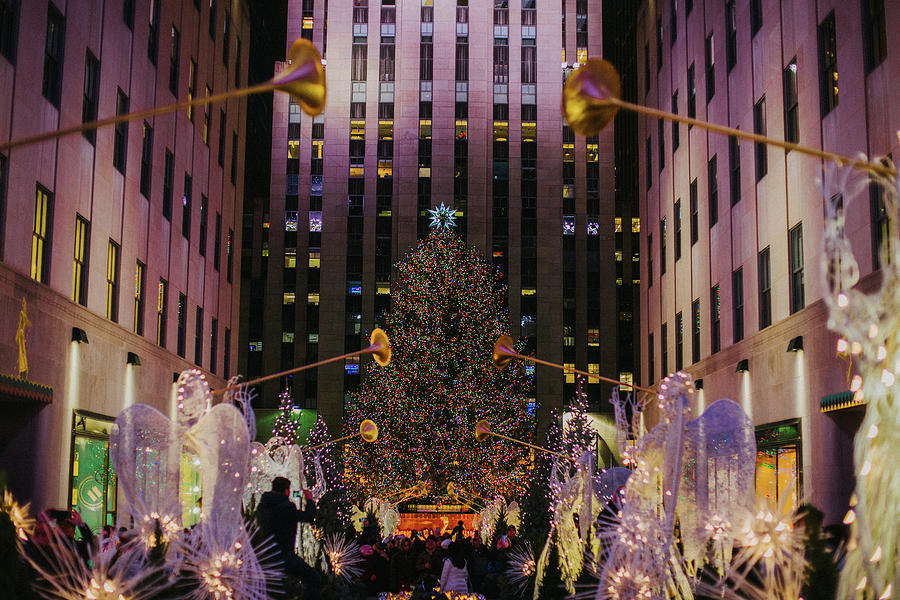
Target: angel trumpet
[
  {"x": 483, "y": 432},
  {"x": 592, "y": 96},
  {"x": 303, "y": 79},
  {"x": 503, "y": 353},
  {"x": 379, "y": 347},
  {"x": 368, "y": 431}
]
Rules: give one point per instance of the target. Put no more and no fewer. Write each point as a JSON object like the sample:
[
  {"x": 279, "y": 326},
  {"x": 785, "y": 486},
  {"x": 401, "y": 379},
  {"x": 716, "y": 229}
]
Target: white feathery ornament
[
  {"x": 869, "y": 325},
  {"x": 343, "y": 557},
  {"x": 19, "y": 516},
  {"x": 521, "y": 566}
]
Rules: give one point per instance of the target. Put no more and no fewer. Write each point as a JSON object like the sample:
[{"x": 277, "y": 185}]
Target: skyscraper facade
[
  {"x": 733, "y": 230},
  {"x": 428, "y": 104},
  {"x": 116, "y": 245}
]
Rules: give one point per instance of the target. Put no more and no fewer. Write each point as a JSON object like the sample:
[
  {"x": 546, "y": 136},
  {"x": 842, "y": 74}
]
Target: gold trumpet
[
  {"x": 503, "y": 353},
  {"x": 379, "y": 347},
  {"x": 303, "y": 79},
  {"x": 483, "y": 432},
  {"x": 368, "y": 431},
  {"x": 591, "y": 98}
]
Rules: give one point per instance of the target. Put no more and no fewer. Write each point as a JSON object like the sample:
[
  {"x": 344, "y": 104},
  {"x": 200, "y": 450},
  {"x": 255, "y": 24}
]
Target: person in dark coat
[
  {"x": 403, "y": 567},
  {"x": 431, "y": 561},
  {"x": 278, "y": 517}
]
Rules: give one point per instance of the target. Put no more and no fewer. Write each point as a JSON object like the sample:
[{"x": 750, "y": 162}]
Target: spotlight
[
  {"x": 78, "y": 335},
  {"x": 743, "y": 366},
  {"x": 133, "y": 359},
  {"x": 796, "y": 344}
]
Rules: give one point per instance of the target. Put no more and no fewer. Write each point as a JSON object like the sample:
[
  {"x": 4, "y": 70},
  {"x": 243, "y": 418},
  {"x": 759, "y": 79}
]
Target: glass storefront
[
  {"x": 779, "y": 461},
  {"x": 92, "y": 479}
]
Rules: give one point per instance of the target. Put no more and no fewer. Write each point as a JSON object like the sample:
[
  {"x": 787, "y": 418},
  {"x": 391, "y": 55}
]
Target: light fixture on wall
[
  {"x": 743, "y": 366},
  {"x": 133, "y": 359},
  {"x": 698, "y": 384},
  {"x": 796, "y": 344},
  {"x": 78, "y": 335}
]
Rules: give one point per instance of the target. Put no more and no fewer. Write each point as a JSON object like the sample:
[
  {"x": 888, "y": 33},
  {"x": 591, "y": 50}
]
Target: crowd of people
[{"x": 458, "y": 562}]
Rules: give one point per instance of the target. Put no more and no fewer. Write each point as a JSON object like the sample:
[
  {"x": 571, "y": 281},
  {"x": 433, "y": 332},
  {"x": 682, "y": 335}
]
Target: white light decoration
[{"x": 442, "y": 217}]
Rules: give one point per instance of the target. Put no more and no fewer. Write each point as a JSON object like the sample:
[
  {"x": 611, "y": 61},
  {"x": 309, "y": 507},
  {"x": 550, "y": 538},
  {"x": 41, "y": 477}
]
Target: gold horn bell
[
  {"x": 368, "y": 430},
  {"x": 503, "y": 351},
  {"x": 304, "y": 78},
  {"x": 381, "y": 346},
  {"x": 588, "y": 100},
  {"x": 482, "y": 430}
]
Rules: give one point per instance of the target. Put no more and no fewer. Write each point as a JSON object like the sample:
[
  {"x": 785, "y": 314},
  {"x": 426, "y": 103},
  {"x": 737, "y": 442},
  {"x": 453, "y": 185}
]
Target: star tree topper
[{"x": 443, "y": 217}]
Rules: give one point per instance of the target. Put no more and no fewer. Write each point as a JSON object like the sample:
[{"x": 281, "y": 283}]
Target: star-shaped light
[{"x": 442, "y": 217}]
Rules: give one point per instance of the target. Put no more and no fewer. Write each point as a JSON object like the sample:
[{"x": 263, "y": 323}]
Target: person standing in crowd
[
  {"x": 431, "y": 560},
  {"x": 403, "y": 567},
  {"x": 278, "y": 517},
  {"x": 455, "y": 575}
]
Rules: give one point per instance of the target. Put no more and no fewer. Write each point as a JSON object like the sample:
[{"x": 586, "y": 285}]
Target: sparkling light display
[
  {"x": 324, "y": 467},
  {"x": 442, "y": 217},
  {"x": 448, "y": 311},
  {"x": 286, "y": 426},
  {"x": 343, "y": 556}
]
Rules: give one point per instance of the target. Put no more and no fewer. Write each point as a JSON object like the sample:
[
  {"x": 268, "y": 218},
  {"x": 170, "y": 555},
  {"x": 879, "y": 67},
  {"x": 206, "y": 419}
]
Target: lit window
[
  {"x": 568, "y": 225},
  {"x": 40, "y": 244},
  {"x": 568, "y": 340},
  {"x": 626, "y": 379},
  {"x": 288, "y": 298},
  {"x": 501, "y": 131},
  {"x": 569, "y": 152},
  {"x": 287, "y": 337},
  {"x": 635, "y": 225},
  {"x": 462, "y": 130},
  {"x": 385, "y": 130},
  {"x": 307, "y": 22},
  {"x": 529, "y": 131},
  {"x": 313, "y": 298},
  {"x": 290, "y": 220},
  {"x": 528, "y": 291},
  {"x": 256, "y": 346},
  {"x": 293, "y": 148},
  {"x": 354, "y": 289},
  {"x": 568, "y": 190},
  {"x": 593, "y": 368},
  {"x": 570, "y": 376},
  {"x": 424, "y": 129},
  {"x": 357, "y": 130},
  {"x": 593, "y": 228},
  {"x": 581, "y": 55},
  {"x": 424, "y": 171},
  {"x": 314, "y": 259},
  {"x": 593, "y": 153},
  {"x": 593, "y": 337},
  {"x": 313, "y": 338},
  {"x": 317, "y": 148},
  {"x": 351, "y": 365},
  {"x": 315, "y": 220},
  {"x": 383, "y": 289},
  {"x": 385, "y": 168},
  {"x": 357, "y": 171},
  {"x": 290, "y": 258}
]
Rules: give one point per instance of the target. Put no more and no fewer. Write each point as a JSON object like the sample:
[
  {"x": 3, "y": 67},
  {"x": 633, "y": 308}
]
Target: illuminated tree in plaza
[{"x": 448, "y": 310}]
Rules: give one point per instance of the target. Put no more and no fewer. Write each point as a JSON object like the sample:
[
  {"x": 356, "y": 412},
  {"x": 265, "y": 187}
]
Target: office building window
[
  {"x": 174, "y": 59},
  {"x": 226, "y": 358},
  {"x": 234, "y": 157},
  {"x": 91, "y": 93},
  {"x": 662, "y": 246},
  {"x": 676, "y": 138},
  {"x": 120, "y": 138},
  {"x": 162, "y": 306},
  {"x": 222, "y": 123},
  {"x": 795, "y": 260},
  {"x": 649, "y": 260},
  {"x": 204, "y": 210},
  {"x": 237, "y": 63},
  {"x": 828, "y": 73},
  {"x": 679, "y": 341},
  {"x": 695, "y": 213},
  {"x": 40, "y": 237},
  {"x": 206, "y": 117},
  {"x": 153, "y": 33},
  {"x": 756, "y": 16},
  {"x": 659, "y": 43},
  {"x": 709, "y": 53},
  {"x": 112, "y": 282},
  {"x": 192, "y": 87},
  {"x": 874, "y": 33},
  {"x": 646, "y": 69},
  {"x": 712, "y": 175},
  {"x": 140, "y": 271},
  {"x": 695, "y": 330},
  {"x": 737, "y": 305},
  {"x": 128, "y": 13},
  {"x": 9, "y": 28},
  {"x": 759, "y": 128},
  {"x": 53, "y": 55},
  {"x": 213, "y": 340},
  {"x": 168, "y": 182},
  {"x": 649, "y": 155},
  {"x": 677, "y": 232},
  {"x": 182, "y": 325},
  {"x": 217, "y": 242},
  {"x": 779, "y": 464},
  {"x": 673, "y": 21},
  {"x": 226, "y": 39},
  {"x": 734, "y": 164},
  {"x": 715, "y": 316},
  {"x": 212, "y": 19},
  {"x": 881, "y": 226},
  {"x": 80, "y": 262},
  {"x": 663, "y": 349},
  {"x": 146, "y": 159},
  {"x": 692, "y": 93},
  {"x": 198, "y": 337},
  {"x": 765, "y": 289},
  {"x": 651, "y": 349},
  {"x": 229, "y": 254},
  {"x": 730, "y": 35},
  {"x": 791, "y": 102},
  {"x": 358, "y": 62},
  {"x": 186, "y": 207},
  {"x": 661, "y": 138}
]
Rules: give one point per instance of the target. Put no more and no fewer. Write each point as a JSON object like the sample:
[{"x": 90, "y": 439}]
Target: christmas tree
[
  {"x": 448, "y": 311},
  {"x": 333, "y": 509},
  {"x": 286, "y": 425}
]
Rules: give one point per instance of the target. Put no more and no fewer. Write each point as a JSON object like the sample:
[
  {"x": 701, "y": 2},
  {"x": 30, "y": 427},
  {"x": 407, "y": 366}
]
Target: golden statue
[{"x": 20, "y": 340}]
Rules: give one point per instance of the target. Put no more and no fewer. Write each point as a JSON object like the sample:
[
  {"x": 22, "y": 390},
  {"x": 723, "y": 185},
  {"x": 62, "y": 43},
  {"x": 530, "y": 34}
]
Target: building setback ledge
[
  {"x": 838, "y": 401},
  {"x": 22, "y": 391}
]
